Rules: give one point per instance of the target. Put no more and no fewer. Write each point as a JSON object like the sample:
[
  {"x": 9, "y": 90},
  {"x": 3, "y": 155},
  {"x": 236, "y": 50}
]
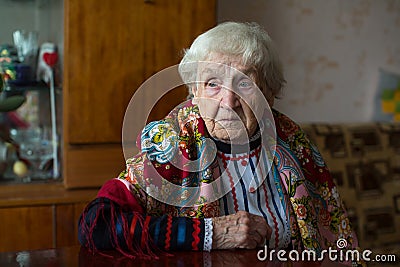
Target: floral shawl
[{"x": 317, "y": 215}]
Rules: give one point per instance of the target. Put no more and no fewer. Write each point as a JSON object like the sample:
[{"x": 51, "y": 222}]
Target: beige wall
[{"x": 331, "y": 50}]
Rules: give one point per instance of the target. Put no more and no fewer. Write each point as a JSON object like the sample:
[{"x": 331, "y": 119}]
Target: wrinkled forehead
[{"x": 223, "y": 69}]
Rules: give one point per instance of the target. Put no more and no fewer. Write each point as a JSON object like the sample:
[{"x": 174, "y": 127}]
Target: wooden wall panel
[
  {"x": 91, "y": 166},
  {"x": 110, "y": 49},
  {"x": 26, "y": 228},
  {"x": 67, "y": 224}
]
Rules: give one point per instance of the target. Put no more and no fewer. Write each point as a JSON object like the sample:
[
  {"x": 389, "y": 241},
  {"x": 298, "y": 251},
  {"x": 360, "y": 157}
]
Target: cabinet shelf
[{"x": 18, "y": 89}]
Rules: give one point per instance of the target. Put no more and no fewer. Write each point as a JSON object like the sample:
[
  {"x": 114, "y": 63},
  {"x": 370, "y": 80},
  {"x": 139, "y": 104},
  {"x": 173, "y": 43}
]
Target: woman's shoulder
[
  {"x": 179, "y": 128},
  {"x": 285, "y": 126}
]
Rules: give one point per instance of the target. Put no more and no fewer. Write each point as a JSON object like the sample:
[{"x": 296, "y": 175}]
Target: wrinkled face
[{"x": 228, "y": 98}]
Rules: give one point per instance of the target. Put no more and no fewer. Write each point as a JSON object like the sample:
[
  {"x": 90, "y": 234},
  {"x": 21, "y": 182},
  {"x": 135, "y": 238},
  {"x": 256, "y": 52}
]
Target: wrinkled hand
[{"x": 240, "y": 230}]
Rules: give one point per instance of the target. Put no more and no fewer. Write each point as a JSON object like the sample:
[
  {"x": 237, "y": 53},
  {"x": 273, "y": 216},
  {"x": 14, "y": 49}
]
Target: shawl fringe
[{"x": 130, "y": 246}]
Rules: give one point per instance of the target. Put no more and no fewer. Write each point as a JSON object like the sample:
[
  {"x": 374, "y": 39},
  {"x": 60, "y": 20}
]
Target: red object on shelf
[{"x": 50, "y": 59}]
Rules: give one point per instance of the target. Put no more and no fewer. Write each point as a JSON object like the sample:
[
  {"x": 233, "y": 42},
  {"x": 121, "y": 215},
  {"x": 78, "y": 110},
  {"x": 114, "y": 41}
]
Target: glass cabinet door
[{"x": 31, "y": 37}]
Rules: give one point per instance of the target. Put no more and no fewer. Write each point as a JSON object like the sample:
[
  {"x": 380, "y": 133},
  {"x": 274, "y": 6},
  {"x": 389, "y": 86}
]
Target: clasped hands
[{"x": 240, "y": 230}]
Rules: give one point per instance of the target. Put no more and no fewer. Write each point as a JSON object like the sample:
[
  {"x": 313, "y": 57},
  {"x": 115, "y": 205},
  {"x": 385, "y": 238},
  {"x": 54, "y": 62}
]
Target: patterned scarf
[{"x": 163, "y": 173}]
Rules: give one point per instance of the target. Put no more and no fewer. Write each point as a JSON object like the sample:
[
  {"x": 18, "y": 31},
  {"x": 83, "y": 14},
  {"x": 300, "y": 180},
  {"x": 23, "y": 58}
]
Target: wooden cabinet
[
  {"x": 40, "y": 227},
  {"x": 110, "y": 48},
  {"x": 31, "y": 219},
  {"x": 26, "y": 228},
  {"x": 66, "y": 224}
]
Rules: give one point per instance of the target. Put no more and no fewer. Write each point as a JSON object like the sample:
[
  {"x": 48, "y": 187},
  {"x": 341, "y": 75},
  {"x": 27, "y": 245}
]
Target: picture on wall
[{"x": 387, "y": 98}]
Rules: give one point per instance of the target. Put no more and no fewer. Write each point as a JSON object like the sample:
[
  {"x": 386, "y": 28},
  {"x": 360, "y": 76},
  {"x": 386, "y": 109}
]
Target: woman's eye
[
  {"x": 212, "y": 85},
  {"x": 245, "y": 84}
]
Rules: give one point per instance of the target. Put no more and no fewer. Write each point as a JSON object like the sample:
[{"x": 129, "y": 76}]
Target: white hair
[{"x": 246, "y": 40}]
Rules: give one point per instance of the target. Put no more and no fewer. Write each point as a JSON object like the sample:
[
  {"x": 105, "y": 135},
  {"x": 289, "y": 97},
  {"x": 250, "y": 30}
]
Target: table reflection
[
  {"x": 78, "y": 256},
  {"x": 220, "y": 258}
]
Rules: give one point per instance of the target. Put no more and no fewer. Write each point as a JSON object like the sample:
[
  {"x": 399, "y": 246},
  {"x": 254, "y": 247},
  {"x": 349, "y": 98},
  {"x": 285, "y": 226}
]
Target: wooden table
[{"x": 77, "y": 256}]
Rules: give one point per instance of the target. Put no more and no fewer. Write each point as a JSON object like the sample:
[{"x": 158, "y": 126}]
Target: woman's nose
[{"x": 230, "y": 98}]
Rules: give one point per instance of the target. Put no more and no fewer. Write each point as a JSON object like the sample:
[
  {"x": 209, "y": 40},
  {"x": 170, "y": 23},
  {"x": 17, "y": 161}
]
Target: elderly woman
[{"x": 258, "y": 179}]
